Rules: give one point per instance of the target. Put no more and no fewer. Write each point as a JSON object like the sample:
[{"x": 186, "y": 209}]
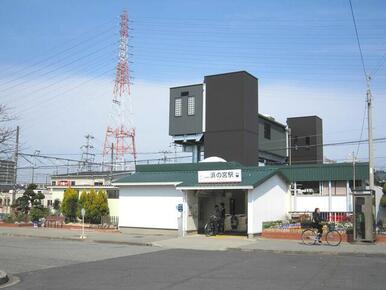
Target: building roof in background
[
  {"x": 271, "y": 120},
  {"x": 86, "y": 174},
  {"x": 185, "y": 175}
]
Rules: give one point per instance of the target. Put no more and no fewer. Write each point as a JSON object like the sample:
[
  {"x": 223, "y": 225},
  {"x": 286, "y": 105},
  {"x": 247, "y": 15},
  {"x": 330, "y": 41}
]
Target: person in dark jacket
[
  {"x": 222, "y": 218},
  {"x": 217, "y": 214},
  {"x": 317, "y": 222}
]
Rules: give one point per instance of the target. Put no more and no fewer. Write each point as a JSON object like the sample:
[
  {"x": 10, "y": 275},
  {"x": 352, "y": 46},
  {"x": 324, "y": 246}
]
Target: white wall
[
  {"x": 113, "y": 206},
  {"x": 309, "y": 203},
  {"x": 267, "y": 202},
  {"x": 149, "y": 206}
]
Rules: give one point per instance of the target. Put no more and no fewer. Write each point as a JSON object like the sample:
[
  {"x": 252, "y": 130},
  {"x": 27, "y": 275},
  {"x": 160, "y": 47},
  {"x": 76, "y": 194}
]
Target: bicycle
[
  {"x": 211, "y": 227},
  {"x": 333, "y": 237}
]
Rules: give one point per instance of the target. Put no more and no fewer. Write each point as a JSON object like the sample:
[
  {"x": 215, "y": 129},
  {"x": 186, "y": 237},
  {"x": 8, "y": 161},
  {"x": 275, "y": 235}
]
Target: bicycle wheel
[
  {"x": 334, "y": 238},
  {"x": 309, "y": 237},
  {"x": 208, "y": 229}
]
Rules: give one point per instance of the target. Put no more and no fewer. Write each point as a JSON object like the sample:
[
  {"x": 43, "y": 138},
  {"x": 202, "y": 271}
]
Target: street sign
[
  {"x": 83, "y": 212},
  {"x": 180, "y": 207},
  {"x": 219, "y": 176}
]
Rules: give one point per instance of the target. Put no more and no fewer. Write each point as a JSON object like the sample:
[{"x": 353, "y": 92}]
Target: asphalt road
[{"x": 143, "y": 268}]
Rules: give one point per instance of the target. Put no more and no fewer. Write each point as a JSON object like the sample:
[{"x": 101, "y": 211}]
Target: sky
[{"x": 57, "y": 65}]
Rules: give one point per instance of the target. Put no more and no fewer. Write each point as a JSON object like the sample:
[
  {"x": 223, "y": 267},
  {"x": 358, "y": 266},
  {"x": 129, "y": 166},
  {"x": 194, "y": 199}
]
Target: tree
[
  {"x": 83, "y": 203},
  {"x": 102, "y": 203},
  {"x": 92, "y": 208},
  {"x": 23, "y": 204},
  {"x": 6, "y": 133},
  {"x": 56, "y": 206},
  {"x": 70, "y": 204},
  {"x": 95, "y": 205}
]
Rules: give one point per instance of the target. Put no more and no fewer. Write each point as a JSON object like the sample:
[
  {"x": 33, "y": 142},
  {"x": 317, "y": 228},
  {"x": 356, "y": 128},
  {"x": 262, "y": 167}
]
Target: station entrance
[{"x": 235, "y": 203}]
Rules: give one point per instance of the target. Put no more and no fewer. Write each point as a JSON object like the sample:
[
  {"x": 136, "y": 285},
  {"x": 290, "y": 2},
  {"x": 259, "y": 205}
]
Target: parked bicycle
[
  {"x": 332, "y": 236},
  {"x": 211, "y": 228}
]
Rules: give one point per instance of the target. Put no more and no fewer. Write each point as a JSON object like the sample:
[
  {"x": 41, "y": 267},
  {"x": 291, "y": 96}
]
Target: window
[
  {"x": 72, "y": 182},
  {"x": 113, "y": 193},
  {"x": 191, "y": 106},
  {"x": 178, "y": 107},
  {"x": 308, "y": 141},
  {"x": 267, "y": 131},
  {"x": 296, "y": 143},
  {"x": 308, "y": 187},
  {"x": 98, "y": 183},
  {"x": 184, "y": 94},
  {"x": 49, "y": 203},
  {"x": 358, "y": 184},
  {"x": 53, "y": 183}
]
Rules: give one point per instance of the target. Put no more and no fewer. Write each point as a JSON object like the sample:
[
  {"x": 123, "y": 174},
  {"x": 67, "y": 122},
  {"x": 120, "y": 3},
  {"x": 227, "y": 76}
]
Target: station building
[
  {"x": 251, "y": 195},
  {"x": 219, "y": 120}
]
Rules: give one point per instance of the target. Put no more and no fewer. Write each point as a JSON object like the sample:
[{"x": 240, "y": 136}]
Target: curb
[
  {"x": 157, "y": 245},
  {"x": 146, "y": 244},
  {"x": 12, "y": 280},
  {"x": 3, "y": 277},
  {"x": 299, "y": 252}
]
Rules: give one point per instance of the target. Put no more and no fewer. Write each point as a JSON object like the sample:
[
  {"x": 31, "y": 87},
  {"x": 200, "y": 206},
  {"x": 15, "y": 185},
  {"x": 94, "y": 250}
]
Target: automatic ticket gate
[{"x": 364, "y": 215}]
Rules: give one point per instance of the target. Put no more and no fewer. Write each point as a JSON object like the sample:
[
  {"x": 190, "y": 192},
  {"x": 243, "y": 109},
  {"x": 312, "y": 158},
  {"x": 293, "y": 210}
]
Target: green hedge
[{"x": 383, "y": 201}]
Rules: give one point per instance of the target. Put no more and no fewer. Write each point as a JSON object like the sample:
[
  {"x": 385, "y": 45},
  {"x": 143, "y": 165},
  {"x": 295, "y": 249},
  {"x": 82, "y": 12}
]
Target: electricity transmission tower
[
  {"x": 87, "y": 158},
  {"x": 120, "y": 133}
]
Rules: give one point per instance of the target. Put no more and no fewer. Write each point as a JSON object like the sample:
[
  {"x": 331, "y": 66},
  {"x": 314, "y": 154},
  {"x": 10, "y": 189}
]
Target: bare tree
[{"x": 7, "y": 133}]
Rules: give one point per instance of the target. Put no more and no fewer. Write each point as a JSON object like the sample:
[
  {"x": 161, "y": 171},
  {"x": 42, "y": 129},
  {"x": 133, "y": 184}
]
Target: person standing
[
  {"x": 222, "y": 218},
  {"x": 217, "y": 214}
]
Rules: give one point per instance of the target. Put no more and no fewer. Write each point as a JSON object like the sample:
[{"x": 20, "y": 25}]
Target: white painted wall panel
[
  {"x": 267, "y": 202},
  {"x": 309, "y": 203},
  {"x": 149, "y": 206}
]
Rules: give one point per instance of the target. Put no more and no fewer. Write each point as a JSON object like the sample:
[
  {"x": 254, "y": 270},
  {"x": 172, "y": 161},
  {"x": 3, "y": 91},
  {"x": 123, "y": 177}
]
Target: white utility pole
[{"x": 370, "y": 135}]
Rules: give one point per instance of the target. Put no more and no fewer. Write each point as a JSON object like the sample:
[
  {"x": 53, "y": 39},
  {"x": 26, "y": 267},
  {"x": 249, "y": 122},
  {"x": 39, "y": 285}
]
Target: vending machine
[{"x": 364, "y": 215}]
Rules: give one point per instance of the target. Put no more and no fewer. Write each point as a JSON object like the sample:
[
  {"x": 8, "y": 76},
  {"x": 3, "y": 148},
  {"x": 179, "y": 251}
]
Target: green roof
[
  {"x": 188, "y": 166},
  {"x": 326, "y": 172},
  {"x": 185, "y": 175}
]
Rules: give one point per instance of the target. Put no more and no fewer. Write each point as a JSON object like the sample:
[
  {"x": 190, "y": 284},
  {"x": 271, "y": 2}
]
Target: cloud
[
  {"x": 55, "y": 119},
  {"x": 340, "y": 108}
]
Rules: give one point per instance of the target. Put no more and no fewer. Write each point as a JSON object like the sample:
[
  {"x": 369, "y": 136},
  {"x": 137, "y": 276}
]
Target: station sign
[{"x": 220, "y": 176}]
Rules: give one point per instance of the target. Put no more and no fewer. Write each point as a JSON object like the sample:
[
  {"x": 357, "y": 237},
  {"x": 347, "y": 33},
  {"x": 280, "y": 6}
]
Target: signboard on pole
[{"x": 220, "y": 176}]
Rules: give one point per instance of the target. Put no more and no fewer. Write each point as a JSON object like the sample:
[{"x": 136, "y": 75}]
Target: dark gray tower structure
[
  {"x": 231, "y": 111},
  {"x": 217, "y": 117},
  {"x": 306, "y": 139}
]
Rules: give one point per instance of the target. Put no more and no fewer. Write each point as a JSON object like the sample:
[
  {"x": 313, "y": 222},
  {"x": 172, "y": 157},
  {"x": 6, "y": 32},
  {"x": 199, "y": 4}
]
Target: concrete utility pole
[
  {"x": 289, "y": 146},
  {"x": 15, "y": 157},
  {"x": 353, "y": 170},
  {"x": 370, "y": 136},
  {"x": 112, "y": 163}
]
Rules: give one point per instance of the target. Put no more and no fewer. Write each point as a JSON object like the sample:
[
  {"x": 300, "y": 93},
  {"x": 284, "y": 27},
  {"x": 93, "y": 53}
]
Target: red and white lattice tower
[{"x": 120, "y": 133}]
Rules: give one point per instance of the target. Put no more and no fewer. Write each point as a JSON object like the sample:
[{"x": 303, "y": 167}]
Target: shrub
[
  {"x": 37, "y": 213},
  {"x": 383, "y": 201}
]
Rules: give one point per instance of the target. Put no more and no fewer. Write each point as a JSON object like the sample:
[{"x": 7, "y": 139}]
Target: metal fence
[
  {"x": 110, "y": 220},
  {"x": 333, "y": 216}
]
